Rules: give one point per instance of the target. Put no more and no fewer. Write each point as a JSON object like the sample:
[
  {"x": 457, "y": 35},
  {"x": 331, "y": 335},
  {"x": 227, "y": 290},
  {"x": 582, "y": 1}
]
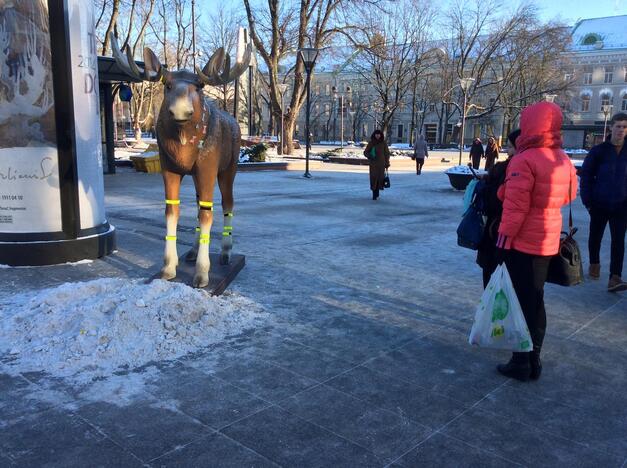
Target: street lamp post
[
  {"x": 352, "y": 114},
  {"x": 607, "y": 110},
  {"x": 308, "y": 56},
  {"x": 282, "y": 88},
  {"x": 464, "y": 84}
]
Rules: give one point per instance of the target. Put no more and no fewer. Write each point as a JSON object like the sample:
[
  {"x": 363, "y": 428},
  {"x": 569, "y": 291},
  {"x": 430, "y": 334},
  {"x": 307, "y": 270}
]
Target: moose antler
[
  {"x": 211, "y": 73},
  {"x": 152, "y": 71}
]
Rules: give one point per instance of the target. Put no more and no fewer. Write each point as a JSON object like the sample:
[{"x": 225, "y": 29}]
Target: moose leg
[
  {"x": 172, "y": 183},
  {"x": 225, "y": 182},
  {"x": 192, "y": 254}
]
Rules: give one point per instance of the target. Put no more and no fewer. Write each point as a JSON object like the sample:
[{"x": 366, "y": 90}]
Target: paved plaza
[{"x": 363, "y": 360}]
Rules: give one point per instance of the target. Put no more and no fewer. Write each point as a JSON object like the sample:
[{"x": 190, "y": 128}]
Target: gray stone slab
[
  {"x": 208, "y": 399},
  {"x": 406, "y": 399},
  {"x": 145, "y": 429},
  {"x": 214, "y": 450},
  {"x": 265, "y": 380},
  {"x": 605, "y": 426},
  {"x": 443, "y": 451},
  {"x": 385, "y": 433},
  {"x": 524, "y": 444},
  {"x": 291, "y": 441},
  {"x": 57, "y": 439}
]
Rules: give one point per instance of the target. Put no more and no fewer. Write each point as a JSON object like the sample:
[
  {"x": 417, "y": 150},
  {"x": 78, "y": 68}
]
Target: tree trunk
[{"x": 112, "y": 22}]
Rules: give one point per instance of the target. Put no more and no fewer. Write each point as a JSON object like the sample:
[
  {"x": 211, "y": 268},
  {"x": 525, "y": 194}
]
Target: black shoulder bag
[{"x": 566, "y": 268}]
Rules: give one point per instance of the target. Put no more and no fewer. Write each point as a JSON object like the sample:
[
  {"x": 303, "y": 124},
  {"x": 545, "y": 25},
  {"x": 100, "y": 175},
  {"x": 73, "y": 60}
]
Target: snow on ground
[
  {"x": 87, "y": 331},
  {"x": 463, "y": 170},
  {"x": 79, "y": 262}
]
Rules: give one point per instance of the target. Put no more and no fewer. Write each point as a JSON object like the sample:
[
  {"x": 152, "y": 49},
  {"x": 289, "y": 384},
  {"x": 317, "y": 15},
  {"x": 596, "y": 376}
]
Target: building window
[
  {"x": 399, "y": 131},
  {"x": 590, "y": 39},
  {"x": 609, "y": 74},
  {"x": 327, "y": 89},
  {"x": 606, "y": 99},
  {"x": 431, "y": 132},
  {"x": 585, "y": 103},
  {"x": 317, "y": 89},
  {"x": 587, "y": 74},
  {"x": 327, "y": 108},
  {"x": 625, "y": 72},
  {"x": 623, "y": 106},
  {"x": 365, "y": 130},
  {"x": 431, "y": 107}
]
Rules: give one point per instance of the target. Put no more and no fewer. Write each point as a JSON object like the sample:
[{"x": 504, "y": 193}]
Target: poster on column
[
  {"x": 84, "y": 62},
  {"x": 29, "y": 176}
]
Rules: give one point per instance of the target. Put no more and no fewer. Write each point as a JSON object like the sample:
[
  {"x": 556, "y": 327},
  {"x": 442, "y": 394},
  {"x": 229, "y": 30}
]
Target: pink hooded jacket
[{"x": 537, "y": 184}]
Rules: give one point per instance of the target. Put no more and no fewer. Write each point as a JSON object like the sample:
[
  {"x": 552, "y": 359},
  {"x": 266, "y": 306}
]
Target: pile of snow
[
  {"x": 84, "y": 331},
  {"x": 463, "y": 170}
]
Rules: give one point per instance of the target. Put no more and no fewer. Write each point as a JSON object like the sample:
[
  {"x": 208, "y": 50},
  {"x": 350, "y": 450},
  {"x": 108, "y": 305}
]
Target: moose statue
[{"x": 197, "y": 138}]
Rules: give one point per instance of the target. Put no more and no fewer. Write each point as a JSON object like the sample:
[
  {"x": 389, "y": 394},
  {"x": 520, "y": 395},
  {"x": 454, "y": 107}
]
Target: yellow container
[{"x": 150, "y": 164}]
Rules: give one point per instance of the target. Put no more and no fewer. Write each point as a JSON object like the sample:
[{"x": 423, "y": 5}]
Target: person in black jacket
[
  {"x": 476, "y": 153},
  {"x": 487, "y": 257},
  {"x": 604, "y": 194}
]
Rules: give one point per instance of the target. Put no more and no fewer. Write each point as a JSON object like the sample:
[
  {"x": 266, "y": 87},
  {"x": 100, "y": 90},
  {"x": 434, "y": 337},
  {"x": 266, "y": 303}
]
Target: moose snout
[{"x": 181, "y": 110}]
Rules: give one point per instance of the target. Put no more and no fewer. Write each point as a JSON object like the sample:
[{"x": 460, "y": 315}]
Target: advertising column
[{"x": 51, "y": 182}]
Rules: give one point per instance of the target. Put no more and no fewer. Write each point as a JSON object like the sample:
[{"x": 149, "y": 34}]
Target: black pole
[
  {"x": 106, "y": 91},
  {"x": 307, "y": 174}
]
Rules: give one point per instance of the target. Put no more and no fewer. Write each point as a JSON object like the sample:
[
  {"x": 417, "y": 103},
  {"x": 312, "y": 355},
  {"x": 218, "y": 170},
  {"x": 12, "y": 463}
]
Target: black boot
[
  {"x": 517, "y": 368},
  {"x": 375, "y": 194},
  {"x": 536, "y": 364}
]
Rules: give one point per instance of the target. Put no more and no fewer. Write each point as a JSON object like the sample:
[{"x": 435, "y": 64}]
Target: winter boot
[
  {"x": 375, "y": 194},
  {"x": 616, "y": 284},
  {"x": 517, "y": 368},
  {"x": 594, "y": 270},
  {"x": 536, "y": 364}
]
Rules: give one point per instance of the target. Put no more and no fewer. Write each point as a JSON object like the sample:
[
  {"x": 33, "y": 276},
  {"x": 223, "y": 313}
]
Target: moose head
[{"x": 196, "y": 138}]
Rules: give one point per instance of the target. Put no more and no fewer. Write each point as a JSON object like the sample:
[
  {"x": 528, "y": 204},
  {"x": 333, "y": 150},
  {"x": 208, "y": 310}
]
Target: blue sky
[{"x": 568, "y": 10}]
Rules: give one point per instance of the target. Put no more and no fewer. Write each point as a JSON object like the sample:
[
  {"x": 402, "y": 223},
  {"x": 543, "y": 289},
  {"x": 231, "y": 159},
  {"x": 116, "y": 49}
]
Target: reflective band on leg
[
  {"x": 205, "y": 205},
  {"x": 228, "y": 228},
  {"x": 197, "y": 229},
  {"x": 227, "y": 233},
  {"x": 170, "y": 238},
  {"x": 229, "y": 214},
  {"x": 172, "y": 202},
  {"x": 204, "y": 239}
]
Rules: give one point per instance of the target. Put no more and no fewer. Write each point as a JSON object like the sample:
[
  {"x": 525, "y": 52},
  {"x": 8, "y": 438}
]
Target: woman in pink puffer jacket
[{"x": 538, "y": 183}]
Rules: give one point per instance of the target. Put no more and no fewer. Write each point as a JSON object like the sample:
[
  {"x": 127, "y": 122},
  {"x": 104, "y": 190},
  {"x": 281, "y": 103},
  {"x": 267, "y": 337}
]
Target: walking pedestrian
[
  {"x": 491, "y": 153},
  {"x": 476, "y": 153},
  {"x": 487, "y": 255},
  {"x": 540, "y": 179},
  {"x": 378, "y": 155},
  {"x": 421, "y": 151},
  {"x": 604, "y": 194}
]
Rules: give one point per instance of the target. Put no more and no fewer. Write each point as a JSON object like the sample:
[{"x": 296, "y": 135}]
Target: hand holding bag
[
  {"x": 386, "y": 180},
  {"x": 499, "y": 321},
  {"x": 566, "y": 268}
]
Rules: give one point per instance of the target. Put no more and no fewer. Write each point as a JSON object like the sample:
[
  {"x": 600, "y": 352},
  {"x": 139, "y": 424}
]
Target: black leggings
[
  {"x": 528, "y": 273},
  {"x": 419, "y": 163},
  {"x": 618, "y": 225}
]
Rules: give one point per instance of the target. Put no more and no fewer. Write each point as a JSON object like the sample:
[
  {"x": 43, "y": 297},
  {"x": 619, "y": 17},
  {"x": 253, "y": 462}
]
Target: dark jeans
[
  {"x": 618, "y": 225},
  {"x": 528, "y": 273},
  {"x": 419, "y": 163},
  {"x": 476, "y": 161}
]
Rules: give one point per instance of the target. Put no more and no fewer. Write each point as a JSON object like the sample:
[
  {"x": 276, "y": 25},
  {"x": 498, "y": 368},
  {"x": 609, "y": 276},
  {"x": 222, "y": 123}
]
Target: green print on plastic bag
[
  {"x": 497, "y": 331},
  {"x": 500, "y": 309}
]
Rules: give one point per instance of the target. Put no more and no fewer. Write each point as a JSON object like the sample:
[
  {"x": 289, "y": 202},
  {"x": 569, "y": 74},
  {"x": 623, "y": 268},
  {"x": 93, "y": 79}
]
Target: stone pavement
[{"x": 365, "y": 361}]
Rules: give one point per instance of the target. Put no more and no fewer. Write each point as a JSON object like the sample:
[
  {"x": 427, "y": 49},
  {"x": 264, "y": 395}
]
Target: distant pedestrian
[
  {"x": 491, "y": 153},
  {"x": 378, "y": 155},
  {"x": 476, "y": 153},
  {"x": 540, "y": 180},
  {"x": 421, "y": 151},
  {"x": 604, "y": 194},
  {"x": 487, "y": 254}
]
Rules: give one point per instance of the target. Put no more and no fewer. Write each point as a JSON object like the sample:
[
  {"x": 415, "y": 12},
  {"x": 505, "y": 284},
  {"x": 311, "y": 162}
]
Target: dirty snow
[
  {"x": 463, "y": 170},
  {"x": 85, "y": 331}
]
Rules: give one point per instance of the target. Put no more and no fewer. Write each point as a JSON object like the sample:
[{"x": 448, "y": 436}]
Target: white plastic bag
[{"x": 499, "y": 321}]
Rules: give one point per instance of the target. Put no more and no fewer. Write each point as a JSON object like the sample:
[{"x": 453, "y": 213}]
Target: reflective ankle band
[
  {"x": 226, "y": 231},
  {"x": 205, "y": 205},
  {"x": 204, "y": 239},
  {"x": 197, "y": 229},
  {"x": 170, "y": 238},
  {"x": 172, "y": 202},
  {"x": 229, "y": 214}
]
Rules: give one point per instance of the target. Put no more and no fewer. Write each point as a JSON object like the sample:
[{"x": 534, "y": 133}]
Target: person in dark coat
[
  {"x": 604, "y": 194},
  {"x": 421, "y": 151},
  {"x": 491, "y": 153},
  {"x": 487, "y": 255},
  {"x": 378, "y": 154},
  {"x": 476, "y": 153}
]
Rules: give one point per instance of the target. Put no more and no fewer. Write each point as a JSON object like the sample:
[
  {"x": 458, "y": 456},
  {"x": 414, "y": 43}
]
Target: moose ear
[{"x": 151, "y": 63}]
